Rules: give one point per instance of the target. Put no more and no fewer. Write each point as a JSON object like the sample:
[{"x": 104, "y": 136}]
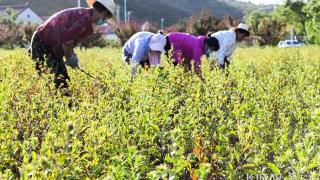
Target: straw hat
[{"x": 110, "y": 5}]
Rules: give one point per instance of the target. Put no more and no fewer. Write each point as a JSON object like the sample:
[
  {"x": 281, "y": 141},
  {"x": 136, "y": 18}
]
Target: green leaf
[
  {"x": 274, "y": 168},
  {"x": 248, "y": 166}
]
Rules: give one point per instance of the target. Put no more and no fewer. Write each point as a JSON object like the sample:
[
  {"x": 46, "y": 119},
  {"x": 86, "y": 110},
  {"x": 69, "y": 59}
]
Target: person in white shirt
[
  {"x": 145, "y": 49},
  {"x": 227, "y": 43}
]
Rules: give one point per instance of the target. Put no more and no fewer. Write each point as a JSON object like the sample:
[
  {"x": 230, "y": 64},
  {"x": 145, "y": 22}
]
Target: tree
[
  {"x": 14, "y": 34},
  {"x": 179, "y": 27},
  {"x": 253, "y": 19},
  {"x": 292, "y": 13},
  {"x": 202, "y": 23},
  {"x": 312, "y": 10},
  {"x": 126, "y": 30},
  {"x": 8, "y": 28},
  {"x": 266, "y": 28}
]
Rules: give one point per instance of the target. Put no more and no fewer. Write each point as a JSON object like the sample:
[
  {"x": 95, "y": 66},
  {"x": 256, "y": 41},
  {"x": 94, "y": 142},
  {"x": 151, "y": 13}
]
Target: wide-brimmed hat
[
  {"x": 158, "y": 42},
  {"x": 244, "y": 27},
  {"x": 110, "y": 5}
]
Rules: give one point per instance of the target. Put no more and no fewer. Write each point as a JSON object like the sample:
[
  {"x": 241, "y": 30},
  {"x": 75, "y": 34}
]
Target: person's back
[
  {"x": 139, "y": 40},
  {"x": 224, "y": 33},
  {"x": 186, "y": 46},
  {"x": 145, "y": 49},
  {"x": 225, "y": 36},
  {"x": 58, "y": 28},
  {"x": 227, "y": 43},
  {"x": 57, "y": 37}
]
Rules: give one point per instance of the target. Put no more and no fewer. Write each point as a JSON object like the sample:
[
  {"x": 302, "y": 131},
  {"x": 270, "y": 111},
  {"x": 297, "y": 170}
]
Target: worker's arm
[
  {"x": 197, "y": 54},
  {"x": 68, "y": 50}
]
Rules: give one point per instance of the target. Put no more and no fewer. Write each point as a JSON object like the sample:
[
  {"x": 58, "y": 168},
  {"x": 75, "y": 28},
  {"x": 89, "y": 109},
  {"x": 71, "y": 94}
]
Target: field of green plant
[{"x": 263, "y": 118}]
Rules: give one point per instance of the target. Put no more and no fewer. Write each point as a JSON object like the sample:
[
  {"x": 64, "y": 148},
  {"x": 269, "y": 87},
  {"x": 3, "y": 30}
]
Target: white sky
[{"x": 263, "y": 1}]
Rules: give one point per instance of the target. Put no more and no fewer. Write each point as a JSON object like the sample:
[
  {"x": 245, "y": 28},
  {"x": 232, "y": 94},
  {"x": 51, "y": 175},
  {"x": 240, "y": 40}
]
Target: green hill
[
  {"x": 175, "y": 10},
  {"x": 154, "y": 10}
]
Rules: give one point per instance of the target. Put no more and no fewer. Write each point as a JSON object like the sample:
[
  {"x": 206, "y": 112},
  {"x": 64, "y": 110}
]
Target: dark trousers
[{"x": 46, "y": 61}]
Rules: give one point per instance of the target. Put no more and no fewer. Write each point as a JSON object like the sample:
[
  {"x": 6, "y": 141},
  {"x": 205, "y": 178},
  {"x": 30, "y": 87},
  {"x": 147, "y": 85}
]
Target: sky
[{"x": 263, "y": 1}]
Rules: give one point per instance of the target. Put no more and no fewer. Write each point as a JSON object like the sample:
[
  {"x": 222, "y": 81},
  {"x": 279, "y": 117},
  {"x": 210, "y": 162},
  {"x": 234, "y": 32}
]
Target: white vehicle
[{"x": 290, "y": 43}]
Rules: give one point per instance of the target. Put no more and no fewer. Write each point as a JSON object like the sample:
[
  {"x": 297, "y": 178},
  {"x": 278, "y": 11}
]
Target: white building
[{"x": 24, "y": 12}]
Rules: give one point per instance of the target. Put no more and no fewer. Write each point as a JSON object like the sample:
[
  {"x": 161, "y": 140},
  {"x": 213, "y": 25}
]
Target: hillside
[
  {"x": 154, "y": 10},
  {"x": 175, "y": 10}
]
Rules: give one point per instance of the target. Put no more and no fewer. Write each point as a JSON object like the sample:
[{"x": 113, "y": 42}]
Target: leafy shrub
[
  {"x": 126, "y": 30},
  {"x": 150, "y": 27},
  {"x": 13, "y": 34},
  {"x": 203, "y": 23},
  {"x": 179, "y": 27},
  {"x": 261, "y": 118}
]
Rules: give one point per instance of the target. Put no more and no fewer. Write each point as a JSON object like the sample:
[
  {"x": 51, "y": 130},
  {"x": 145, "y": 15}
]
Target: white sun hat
[
  {"x": 158, "y": 42},
  {"x": 243, "y": 27},
  {"x": 110, "y": 5}
]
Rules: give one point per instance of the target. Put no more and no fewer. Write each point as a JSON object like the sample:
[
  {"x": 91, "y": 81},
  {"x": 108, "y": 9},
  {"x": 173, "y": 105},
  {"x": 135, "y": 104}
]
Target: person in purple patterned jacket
[
  {"x": 187, "y": 48},
  {"x": 57, "y": 37}
]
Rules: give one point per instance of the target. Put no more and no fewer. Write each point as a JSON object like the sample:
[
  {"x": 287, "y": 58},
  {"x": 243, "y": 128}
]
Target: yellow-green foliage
[{"x": 263, "y": 118}]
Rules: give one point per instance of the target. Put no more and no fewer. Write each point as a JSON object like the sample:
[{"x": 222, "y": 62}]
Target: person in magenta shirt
[
  {"x": 187, "y": 48},
  {"x": 57, "y": 37}
]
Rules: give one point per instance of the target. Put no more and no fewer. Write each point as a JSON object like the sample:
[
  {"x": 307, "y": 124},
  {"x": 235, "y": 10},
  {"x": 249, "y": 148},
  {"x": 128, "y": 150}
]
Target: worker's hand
[
  {"x": 202, "y": 79},
  {"x": 73, "y": 61},
  {"x": 225, "y": 64},
  {"x": 134, "y": 68},
  {"x": 67, "y": 50},
  {"x": 197, "y": 69}
]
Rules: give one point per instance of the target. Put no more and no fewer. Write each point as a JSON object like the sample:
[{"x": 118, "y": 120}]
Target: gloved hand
[{"x": 73, "y": 61}]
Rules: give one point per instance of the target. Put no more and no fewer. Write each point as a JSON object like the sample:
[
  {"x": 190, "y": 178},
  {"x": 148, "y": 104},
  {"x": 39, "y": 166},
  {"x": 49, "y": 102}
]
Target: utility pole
[
  {"x": 129, "y": 13},
  {"x": 118, "y": 13},
  {"x": 125, "y": 11},
  {"x": 162, "y": 21}
]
